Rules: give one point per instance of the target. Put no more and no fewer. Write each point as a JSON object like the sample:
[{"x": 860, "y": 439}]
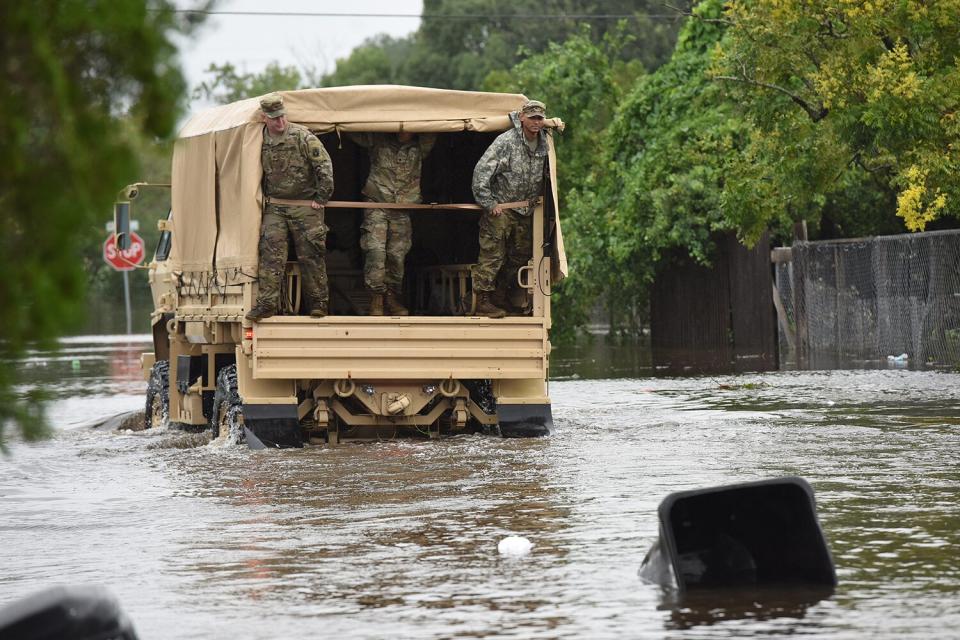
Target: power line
[{"x": 518, "y": 16}]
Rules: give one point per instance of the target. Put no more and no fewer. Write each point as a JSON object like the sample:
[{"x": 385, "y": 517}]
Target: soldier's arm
[
  {"x": 427, "y": 141},
  {"x": 483, "y": 173},
  {"x": 322, "y": 168}
]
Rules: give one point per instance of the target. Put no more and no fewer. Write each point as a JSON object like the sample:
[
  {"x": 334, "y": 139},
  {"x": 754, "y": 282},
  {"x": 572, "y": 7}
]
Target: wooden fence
[{"x": 715, "y": 319}]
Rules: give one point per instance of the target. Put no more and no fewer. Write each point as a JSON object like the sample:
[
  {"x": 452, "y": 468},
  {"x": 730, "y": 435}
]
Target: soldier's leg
[
  {"x": 373, "y": 243},
  {"x": 310, "y": 238},
  {"x": 399, "y": 241},
  {"x": 273, "y": 259},
  {"x": 493, "y": 236},
  {"x": 519, "y": 250},
  {"x": 519, "y": 246}
]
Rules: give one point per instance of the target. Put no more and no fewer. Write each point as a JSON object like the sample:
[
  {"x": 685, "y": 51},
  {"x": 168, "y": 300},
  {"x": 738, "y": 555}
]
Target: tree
[
  {"x": 460, "y": 42},
  {"x": 658, "y": 178},
  {"x": 379, "y": 60},
  {"x": 849, "y": 99},
  {"x": 72, "y": 72},
  {"x": 227, "y": 85}
]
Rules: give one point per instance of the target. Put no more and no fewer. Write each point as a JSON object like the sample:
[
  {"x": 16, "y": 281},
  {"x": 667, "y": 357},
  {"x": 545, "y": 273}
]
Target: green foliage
[
  {"x": 452, "y": 52},
  {"x": 227, "y": 85},
  {"x": 768, "y": 112},
  {"x": 71, "y": 72},
  {"x": 849, "y": 99},
  {"x": 657, "y": 179},
  {"x": 379, "y": 60},
  {"x": 836, "y": 112},
  {"x": 581, "y": 81}
]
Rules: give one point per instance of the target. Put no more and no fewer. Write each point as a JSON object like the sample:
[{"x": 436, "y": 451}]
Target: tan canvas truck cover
[{"x": 217, "y": 174}]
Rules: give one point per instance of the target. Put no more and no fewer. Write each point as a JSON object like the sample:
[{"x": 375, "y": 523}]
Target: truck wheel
[
  {"x": 226, "y": 416},
  {"x": 157, "y": 411},
  {"x": 207, "y": 406}
]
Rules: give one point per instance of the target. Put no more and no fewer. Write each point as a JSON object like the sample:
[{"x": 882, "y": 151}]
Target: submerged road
[{"x": 399, "y": 539}]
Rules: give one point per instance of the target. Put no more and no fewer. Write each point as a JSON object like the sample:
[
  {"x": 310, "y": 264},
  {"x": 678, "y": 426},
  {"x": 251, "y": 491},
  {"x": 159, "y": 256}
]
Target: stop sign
[{"x": 126, "y": 259}]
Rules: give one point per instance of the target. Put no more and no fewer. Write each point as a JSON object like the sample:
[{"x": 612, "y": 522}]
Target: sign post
[{"x": 125, "y": 260}]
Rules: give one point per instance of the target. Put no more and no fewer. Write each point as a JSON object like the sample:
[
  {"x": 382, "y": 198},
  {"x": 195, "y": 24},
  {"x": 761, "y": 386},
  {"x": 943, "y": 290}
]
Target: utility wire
[{"x": 518, "y": 16}]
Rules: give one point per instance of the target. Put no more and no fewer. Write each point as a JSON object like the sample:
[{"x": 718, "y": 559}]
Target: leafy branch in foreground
[{"x": 72, "y": 72}]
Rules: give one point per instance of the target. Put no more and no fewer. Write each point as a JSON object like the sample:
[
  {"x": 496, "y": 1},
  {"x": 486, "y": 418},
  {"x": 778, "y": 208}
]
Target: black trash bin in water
[
  {"x": 754, "y": 534},
  {"x": 66, "y": 613}
]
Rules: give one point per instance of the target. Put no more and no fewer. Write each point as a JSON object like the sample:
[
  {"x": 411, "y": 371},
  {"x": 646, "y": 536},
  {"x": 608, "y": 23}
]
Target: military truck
[{"x": 292, "y": 379}]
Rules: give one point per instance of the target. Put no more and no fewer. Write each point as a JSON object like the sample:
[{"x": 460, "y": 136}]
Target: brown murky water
[{"x": 399, "y": 539}]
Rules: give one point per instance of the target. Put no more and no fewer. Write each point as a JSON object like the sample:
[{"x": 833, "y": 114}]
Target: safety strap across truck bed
[{"x": 343, "y": 204}]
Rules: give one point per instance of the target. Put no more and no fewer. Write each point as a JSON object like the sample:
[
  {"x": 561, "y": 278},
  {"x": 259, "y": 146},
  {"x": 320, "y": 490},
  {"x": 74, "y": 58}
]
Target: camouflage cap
[
  {"x": 534, "y": 108},
  {"x": 272, "y": 105}
]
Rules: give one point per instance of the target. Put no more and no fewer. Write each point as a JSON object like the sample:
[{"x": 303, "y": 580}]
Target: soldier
[
  {"x": 295, "y": 167},
  {"x": 511, "y": 170},
  {"x": 395, "y": 165}
]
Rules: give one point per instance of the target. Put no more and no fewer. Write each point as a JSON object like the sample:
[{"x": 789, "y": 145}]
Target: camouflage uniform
[
  {"x": 296, "y": 167},
  {"x": 509, "y": 171},
  {"x": 386, "y": 233}
]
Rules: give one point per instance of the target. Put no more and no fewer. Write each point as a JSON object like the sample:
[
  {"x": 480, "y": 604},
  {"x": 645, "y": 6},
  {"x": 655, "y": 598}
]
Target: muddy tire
[
  {"x": 481, "y": 391},
  {"x": 208, "y": 398},
  {"x": 157, "y": 410},
  {"x": 226, "y": 415}
]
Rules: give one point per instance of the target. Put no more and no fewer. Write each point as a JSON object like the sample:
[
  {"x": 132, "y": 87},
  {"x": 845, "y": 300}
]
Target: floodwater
[{"x": 399, "y": 539}]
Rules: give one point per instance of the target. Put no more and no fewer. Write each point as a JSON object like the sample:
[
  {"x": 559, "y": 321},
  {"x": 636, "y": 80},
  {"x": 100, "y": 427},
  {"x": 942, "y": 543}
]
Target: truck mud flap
[
  {"x": 271, "y": 426},
  {"x": 525, "y": 420}
]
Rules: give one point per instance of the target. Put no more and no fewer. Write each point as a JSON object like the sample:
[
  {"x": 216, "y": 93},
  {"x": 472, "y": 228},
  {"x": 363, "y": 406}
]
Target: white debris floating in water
[{"x": 514, "y": 546}]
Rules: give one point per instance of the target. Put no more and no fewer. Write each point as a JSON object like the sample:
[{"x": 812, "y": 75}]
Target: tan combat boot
[
  {"x": 320, "y": 311},
  {"x": 376, "y": 304},
  {"x": 485, "y": 306},
  {"x": 393, "y": 307},
  {"x": 260, "y": 311}
]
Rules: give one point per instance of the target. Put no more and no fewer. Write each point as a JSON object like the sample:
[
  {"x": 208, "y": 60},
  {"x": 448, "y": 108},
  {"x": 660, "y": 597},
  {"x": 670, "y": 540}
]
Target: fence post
[{"x": 800, "y": 297}]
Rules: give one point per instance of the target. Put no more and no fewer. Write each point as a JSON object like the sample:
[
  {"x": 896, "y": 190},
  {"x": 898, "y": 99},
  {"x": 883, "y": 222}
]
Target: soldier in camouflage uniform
[
  {"x": 511, "y": 170},
  {"x": 295, "y": 167},
  {"x": 395, "y": 164}
]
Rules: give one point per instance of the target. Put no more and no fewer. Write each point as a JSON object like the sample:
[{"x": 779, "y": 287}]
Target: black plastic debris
[
  {"x": 754, "y": 534},
  {"x": 66, "y": 613}
]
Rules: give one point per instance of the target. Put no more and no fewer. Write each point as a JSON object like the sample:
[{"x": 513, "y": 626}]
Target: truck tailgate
[{"x": 390, "y": 348}]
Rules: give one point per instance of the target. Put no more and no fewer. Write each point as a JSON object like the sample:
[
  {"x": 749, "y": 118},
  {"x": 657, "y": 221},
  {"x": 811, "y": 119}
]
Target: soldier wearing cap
[
  {"x": 396, "y": 161},
  {"x": 511, "y": 170},
  {"x": 295, "y": 167}
]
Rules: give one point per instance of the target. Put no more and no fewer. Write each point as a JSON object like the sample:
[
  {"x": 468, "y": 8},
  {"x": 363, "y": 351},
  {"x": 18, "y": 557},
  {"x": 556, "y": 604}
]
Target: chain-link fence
[{"x": 890, "y": 299}]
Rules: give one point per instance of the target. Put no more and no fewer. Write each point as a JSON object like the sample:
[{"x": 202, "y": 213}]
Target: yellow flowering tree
[{"x": 855, "y": 105}]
